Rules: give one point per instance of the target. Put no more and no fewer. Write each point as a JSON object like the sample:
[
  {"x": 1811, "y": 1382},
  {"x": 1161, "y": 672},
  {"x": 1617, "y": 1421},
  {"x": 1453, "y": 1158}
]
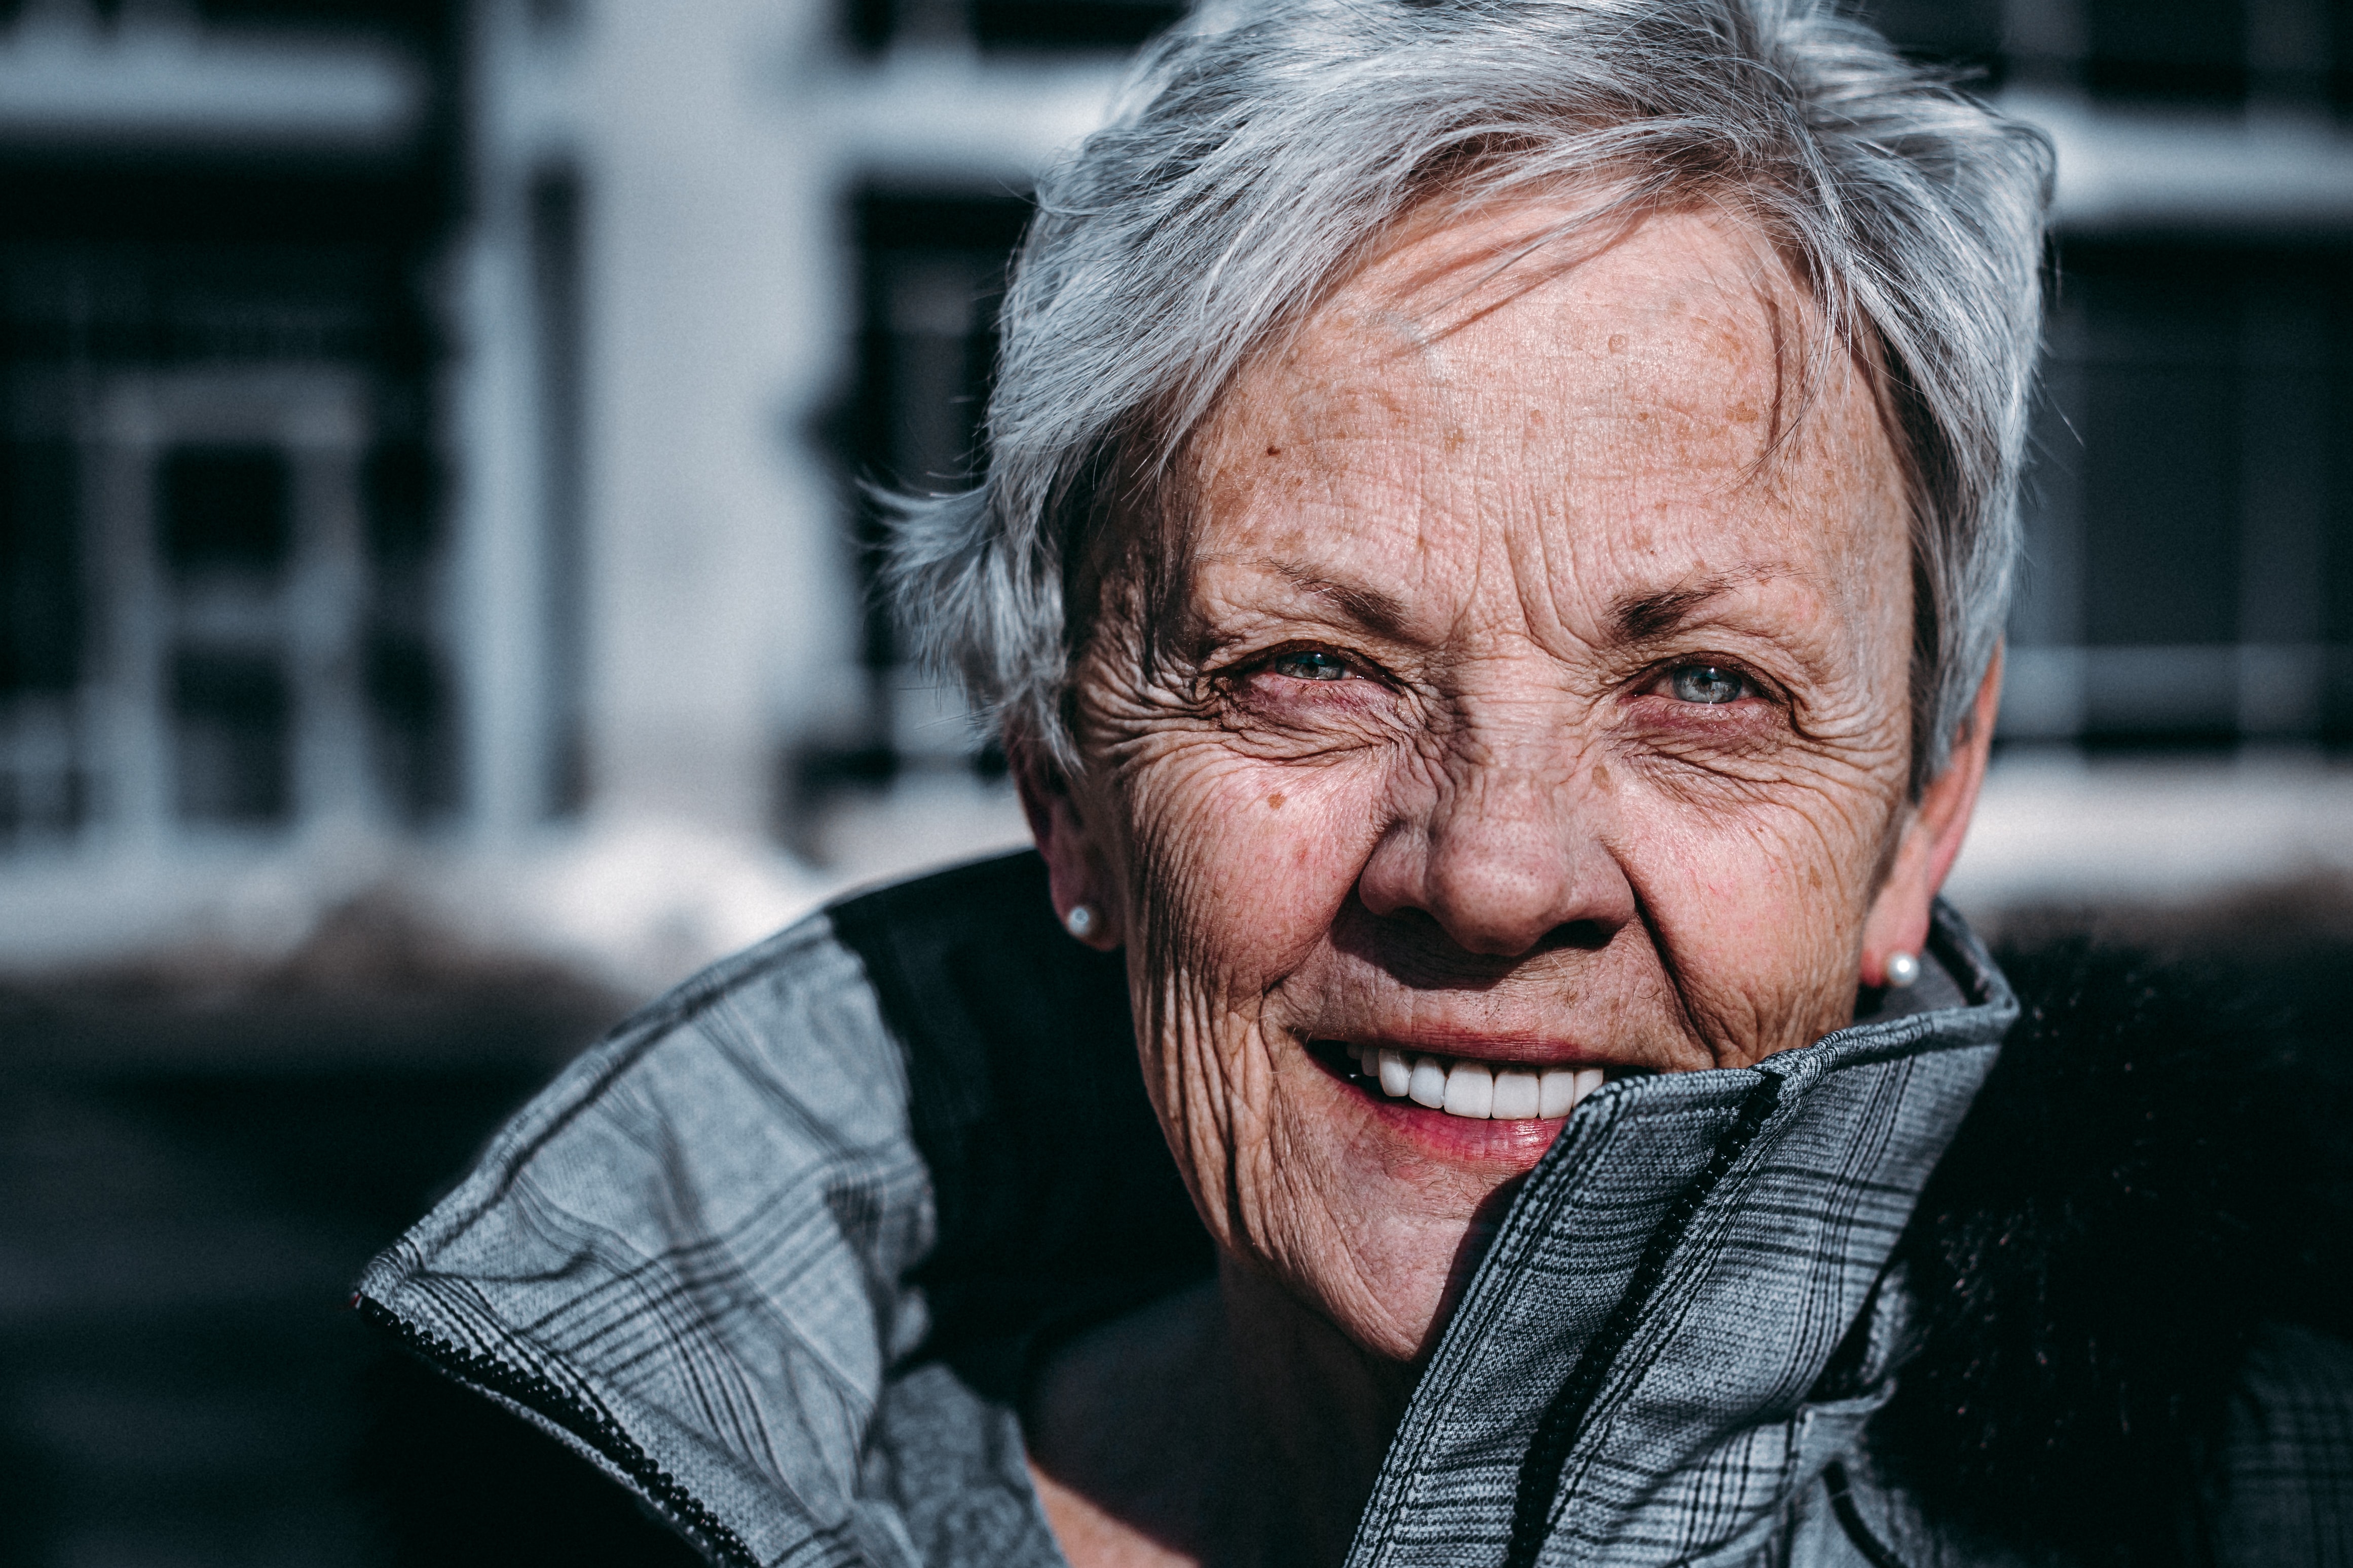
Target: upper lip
[{"x": 1481, "y": 1046}]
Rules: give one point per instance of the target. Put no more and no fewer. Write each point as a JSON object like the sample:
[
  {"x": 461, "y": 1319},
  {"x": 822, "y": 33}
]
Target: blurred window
[
  {"x": 2163, "y": 386},
  {"x": 1960, "y": 34},
  {"x": 40, "y": 569},
  {"x": 2340, "y": 67},
  {"x": 2176, "y": 52},
  {"x": 220, "y": 353},
  {"x": 232, "y": 730},
  {"x": 225, "y": 510},
  {"x": 2142, "y": 53},
  {"x": 1014, "y": 24},
  {"x": 932, "y": 269},
  {"x": 221, "y": 557},
  {"x": 411, "y": 704},
  {"x": 225, "y": 535},
  {"x": 1070, "y": 24},
  {"x": 44, "y": 786},
  {"x": 2189, "y": 518}
]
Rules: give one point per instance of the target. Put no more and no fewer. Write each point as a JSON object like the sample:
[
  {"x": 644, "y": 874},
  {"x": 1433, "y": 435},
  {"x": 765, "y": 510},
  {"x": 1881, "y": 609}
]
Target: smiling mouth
[{"x": 1474, "y": 1090}]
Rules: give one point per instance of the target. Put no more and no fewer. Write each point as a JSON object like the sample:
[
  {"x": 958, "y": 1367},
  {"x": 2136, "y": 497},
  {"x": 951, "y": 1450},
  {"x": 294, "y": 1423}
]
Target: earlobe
[
  {"x": 1939, "y": 822},
  {"x": 1074, "y": 865}
]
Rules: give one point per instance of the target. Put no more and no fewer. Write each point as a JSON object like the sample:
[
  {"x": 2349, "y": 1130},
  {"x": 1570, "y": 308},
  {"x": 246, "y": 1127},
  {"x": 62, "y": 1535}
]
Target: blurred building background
[{"x": 434, "y": 598}]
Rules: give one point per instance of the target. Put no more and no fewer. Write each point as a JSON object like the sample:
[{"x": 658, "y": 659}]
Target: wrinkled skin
[{"x": 1418, "y": 761}]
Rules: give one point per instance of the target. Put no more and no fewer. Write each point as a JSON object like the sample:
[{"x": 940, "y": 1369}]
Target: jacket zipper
[{"x": 683, "y": 1508}]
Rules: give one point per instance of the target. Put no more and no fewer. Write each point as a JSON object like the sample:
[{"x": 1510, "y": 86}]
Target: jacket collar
[
  {"x": 774, "y": 1253},
  {"x": 1637, "y": 1371}
]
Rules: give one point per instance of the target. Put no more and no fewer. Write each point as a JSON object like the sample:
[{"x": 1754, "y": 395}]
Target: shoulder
[
  {"x": 808, "y": 1035},
  {"x": 793, "y": 1019},
  {"x": 808, "y": 1030},
  {"x": 2101, "y": 1262},
  {"x": 747, "y": 1210},
  {"x": 764, "y": 1067},
  {"x": 764, "y": 1083},
  {"x": 848, "y": 972}
]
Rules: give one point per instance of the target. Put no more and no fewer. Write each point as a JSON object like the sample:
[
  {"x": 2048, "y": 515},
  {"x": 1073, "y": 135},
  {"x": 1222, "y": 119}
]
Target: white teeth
[
  {"x": 1470, "y": 1090},
  {"x": 1474, "y": 1090},
  {"x": 1519, "y": 1094}
]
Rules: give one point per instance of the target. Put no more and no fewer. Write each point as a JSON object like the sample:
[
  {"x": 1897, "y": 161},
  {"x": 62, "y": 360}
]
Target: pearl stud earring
[
  {"x": 1903, "y": 969},
  {"x": 1080, "y": 921}
]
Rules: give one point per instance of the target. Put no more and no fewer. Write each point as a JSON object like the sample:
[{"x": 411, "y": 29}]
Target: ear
[
  {"x": 1937, "y": 822},
  {"x": 1075, "y": 871}
]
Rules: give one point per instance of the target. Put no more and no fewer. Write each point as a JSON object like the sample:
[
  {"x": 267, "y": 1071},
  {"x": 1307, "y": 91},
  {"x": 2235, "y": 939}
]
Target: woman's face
[{"x": 1520, "y": 706}]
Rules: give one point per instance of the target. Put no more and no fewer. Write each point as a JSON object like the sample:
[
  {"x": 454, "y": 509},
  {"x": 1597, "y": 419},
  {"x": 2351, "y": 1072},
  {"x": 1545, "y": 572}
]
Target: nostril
[
  {"x": 1496, "y": 938},
  {"x": 1583, "y": 936}
]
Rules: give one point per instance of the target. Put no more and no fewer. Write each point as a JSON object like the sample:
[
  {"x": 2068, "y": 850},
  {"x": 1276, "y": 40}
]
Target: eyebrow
[
  {"x": 1639, "y": 617},
  {"x": 1643, "y": 617},
  {"x": 1376, "y": 611}
]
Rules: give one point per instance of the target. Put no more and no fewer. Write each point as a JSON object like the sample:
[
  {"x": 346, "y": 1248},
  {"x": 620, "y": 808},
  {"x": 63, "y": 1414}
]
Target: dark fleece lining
[{"x": 2134, "y": 1192}]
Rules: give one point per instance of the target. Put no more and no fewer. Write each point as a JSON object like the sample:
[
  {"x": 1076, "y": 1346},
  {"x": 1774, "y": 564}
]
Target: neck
[
  {"x": 1312, "y": 1419},
  {"x": 1227, "y": 1427}
]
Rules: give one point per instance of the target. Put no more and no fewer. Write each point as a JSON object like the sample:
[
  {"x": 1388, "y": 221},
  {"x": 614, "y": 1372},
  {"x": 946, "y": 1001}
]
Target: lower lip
[{"x": 1517, "y": 1144}]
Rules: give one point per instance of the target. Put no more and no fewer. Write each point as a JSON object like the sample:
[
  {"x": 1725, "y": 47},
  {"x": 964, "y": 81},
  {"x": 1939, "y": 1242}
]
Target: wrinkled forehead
[
  {"x": 1683, "y": 309},
  {"x": 1512, "y": 379}
]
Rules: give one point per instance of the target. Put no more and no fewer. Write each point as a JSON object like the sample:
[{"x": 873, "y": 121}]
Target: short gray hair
[{"x": 1261, "y": 150}]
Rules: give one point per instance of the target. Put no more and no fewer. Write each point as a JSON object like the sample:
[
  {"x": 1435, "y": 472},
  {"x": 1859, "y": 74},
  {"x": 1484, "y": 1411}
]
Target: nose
[{"x": 1506, "y": 856}]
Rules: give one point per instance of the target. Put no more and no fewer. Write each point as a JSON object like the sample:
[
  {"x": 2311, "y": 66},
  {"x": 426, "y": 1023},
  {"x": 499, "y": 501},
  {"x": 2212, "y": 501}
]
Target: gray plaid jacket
[{"x": 774, "y": 1256}]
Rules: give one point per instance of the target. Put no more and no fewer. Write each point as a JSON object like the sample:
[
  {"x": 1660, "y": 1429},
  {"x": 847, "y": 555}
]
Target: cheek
[
  {"x": 1759, "y": 911},
  {"x": 1239, "y": 865},
  {"x": 1236, "y": 868}
]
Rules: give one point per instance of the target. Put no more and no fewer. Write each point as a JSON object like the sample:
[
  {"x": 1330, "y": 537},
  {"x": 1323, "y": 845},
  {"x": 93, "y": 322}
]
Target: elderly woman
[{"x": 1497, "y": 528}]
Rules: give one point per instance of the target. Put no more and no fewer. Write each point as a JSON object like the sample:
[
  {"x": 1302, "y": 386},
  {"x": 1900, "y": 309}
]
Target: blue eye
[
  {"x": 1708, "y": 683},
  {"x": 1310, "y": 664}
]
